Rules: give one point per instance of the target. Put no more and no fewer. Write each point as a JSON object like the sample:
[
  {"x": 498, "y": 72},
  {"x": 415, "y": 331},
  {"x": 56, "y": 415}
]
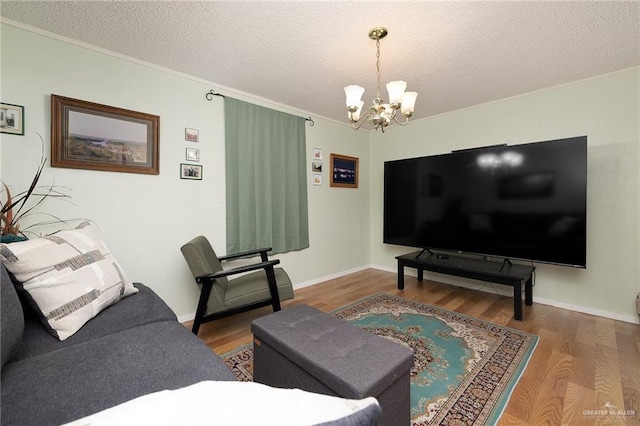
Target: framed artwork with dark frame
[
  {"x": 190, "y": 171},
  {"x": 11, "y": 119},
  {"x": 87, "y": 135},
  {"x": 344, "y": 171}
]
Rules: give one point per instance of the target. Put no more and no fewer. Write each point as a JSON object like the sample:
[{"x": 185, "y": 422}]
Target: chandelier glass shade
[{"x": 380, "y": 114}]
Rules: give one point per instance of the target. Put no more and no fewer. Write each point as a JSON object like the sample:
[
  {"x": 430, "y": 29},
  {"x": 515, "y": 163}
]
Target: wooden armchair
[{"x": 256, "y": 285}]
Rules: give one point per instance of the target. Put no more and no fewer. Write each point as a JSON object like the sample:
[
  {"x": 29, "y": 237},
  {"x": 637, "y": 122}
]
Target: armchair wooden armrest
[
  {"x": 249, "y": 253},
  {"x": 238, "y": 270}
]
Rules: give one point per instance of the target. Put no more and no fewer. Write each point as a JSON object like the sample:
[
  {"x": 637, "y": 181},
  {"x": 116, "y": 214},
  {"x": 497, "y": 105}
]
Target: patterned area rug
[{"x": 464, "y": 371}]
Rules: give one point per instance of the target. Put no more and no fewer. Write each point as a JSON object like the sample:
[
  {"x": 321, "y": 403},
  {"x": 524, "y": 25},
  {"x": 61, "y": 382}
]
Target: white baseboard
[
  {"x": 461, "y": 282},
  {"x": 587, "y": 310},
  {"x": 331, "y": 277},
  {"x": 186, "y": 317}
]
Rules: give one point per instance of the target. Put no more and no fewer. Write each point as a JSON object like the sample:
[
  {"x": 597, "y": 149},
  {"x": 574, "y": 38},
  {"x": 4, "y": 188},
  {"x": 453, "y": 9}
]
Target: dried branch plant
[{"x": 15, "y": 208}]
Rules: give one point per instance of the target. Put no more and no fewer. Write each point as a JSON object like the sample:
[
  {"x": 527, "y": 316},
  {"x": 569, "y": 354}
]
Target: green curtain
[{"x": 266, "y": 179}]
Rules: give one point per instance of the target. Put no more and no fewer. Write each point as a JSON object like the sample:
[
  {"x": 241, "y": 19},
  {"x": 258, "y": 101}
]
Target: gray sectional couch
[
  {"x": 82, "y": 343},
  {"x": 132, "y": 348},
  {"x": 132, "y": 352}
]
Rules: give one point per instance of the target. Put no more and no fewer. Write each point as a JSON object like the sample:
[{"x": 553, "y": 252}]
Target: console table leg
[
  {"x": 400, "y": 275},
  {"x": 528, "y": 292},
  {"x": 420, "y": 274},
  {"x": 517, "y": 301}
]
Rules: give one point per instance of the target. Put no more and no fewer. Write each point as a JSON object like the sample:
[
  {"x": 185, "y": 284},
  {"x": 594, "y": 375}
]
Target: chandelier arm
[
  {"x": 362, "y": 120},
  {"x": 406, "y": 120}
]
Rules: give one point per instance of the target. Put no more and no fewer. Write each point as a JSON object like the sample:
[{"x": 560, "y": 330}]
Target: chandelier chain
[{"x": 378, "y": 64}]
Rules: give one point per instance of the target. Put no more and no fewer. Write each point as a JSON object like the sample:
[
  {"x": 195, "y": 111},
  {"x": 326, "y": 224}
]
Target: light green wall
[
  {"x": 145, "y": 219},
  {"x": 606, "y": 109}
]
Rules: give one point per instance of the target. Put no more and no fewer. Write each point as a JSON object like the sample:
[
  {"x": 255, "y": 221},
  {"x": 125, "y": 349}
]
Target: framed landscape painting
[
  {"x": 87, "y": 135},
  {"x": 344, "y": 171}
]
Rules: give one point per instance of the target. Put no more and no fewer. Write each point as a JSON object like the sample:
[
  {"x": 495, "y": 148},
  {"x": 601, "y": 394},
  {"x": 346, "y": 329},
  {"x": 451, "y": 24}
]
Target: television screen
[{"x": 526, "y": 202}]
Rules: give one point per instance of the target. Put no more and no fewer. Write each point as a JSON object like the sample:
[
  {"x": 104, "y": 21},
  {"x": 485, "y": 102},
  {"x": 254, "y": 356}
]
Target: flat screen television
[{"x": 522, "y": 202}]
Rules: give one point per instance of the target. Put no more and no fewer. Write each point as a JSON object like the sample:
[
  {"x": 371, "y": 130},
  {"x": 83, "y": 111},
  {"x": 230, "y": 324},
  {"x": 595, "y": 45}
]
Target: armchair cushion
[
  {"x": 201, "y": 257},
  {"x": 252, "y": 287}
]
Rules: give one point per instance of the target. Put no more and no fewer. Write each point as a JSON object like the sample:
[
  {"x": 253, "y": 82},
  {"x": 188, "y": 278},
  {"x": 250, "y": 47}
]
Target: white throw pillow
[
  {"x": 270, "y": 406},
  {"x": 69, "y": 276}
]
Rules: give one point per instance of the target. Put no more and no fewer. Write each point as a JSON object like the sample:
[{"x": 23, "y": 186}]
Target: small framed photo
[
  {"x": 316, "y": 166},
  {"x": 344, "y": 171},
  {"x": 317, "y": 179},
  {"x": 190, "y": 171},
  {"x": 317, "y": 154},
  {"x": 11, "y": 119},
  {"x": 193, "y": 154},
  {"x": 191, "y": 135}
]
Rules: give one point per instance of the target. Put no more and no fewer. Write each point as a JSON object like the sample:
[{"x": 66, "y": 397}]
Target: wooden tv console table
[{"x": 505, "y": 273}]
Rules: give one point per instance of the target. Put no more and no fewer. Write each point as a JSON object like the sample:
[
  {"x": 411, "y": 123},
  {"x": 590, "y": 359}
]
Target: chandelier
[{"x": 380, "y": 114}]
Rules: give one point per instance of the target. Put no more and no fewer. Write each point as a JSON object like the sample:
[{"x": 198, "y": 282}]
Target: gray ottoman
[{"x": 302, "y": 347}]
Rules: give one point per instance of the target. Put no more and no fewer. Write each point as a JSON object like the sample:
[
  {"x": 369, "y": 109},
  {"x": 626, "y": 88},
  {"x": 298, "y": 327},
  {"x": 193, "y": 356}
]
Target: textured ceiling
[{"x": 301, "y": 54}]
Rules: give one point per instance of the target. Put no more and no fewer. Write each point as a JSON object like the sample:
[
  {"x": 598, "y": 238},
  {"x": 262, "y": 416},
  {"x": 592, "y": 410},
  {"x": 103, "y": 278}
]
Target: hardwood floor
[{"x": 583, "y": 368}]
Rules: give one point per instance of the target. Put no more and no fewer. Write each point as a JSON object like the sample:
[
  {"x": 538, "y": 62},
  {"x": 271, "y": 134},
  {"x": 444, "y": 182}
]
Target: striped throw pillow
[{"x": 68, "y": 277}]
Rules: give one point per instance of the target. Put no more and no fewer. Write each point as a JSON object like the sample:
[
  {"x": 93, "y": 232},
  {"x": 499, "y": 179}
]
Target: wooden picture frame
[
  {"x": 88, "y": 135},
  {"x": 11, "y": 119},
  {"x": 344, "y": 171},
  {"x": 190, "y": 171}
]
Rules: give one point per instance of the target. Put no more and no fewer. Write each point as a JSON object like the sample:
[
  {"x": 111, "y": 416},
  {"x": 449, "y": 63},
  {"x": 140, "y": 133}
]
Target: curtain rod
[{"x": 211, "y": 93}]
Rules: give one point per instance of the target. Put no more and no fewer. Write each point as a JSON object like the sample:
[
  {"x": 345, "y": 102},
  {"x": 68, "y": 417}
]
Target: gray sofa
[{"x": 132, "y": 348}]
